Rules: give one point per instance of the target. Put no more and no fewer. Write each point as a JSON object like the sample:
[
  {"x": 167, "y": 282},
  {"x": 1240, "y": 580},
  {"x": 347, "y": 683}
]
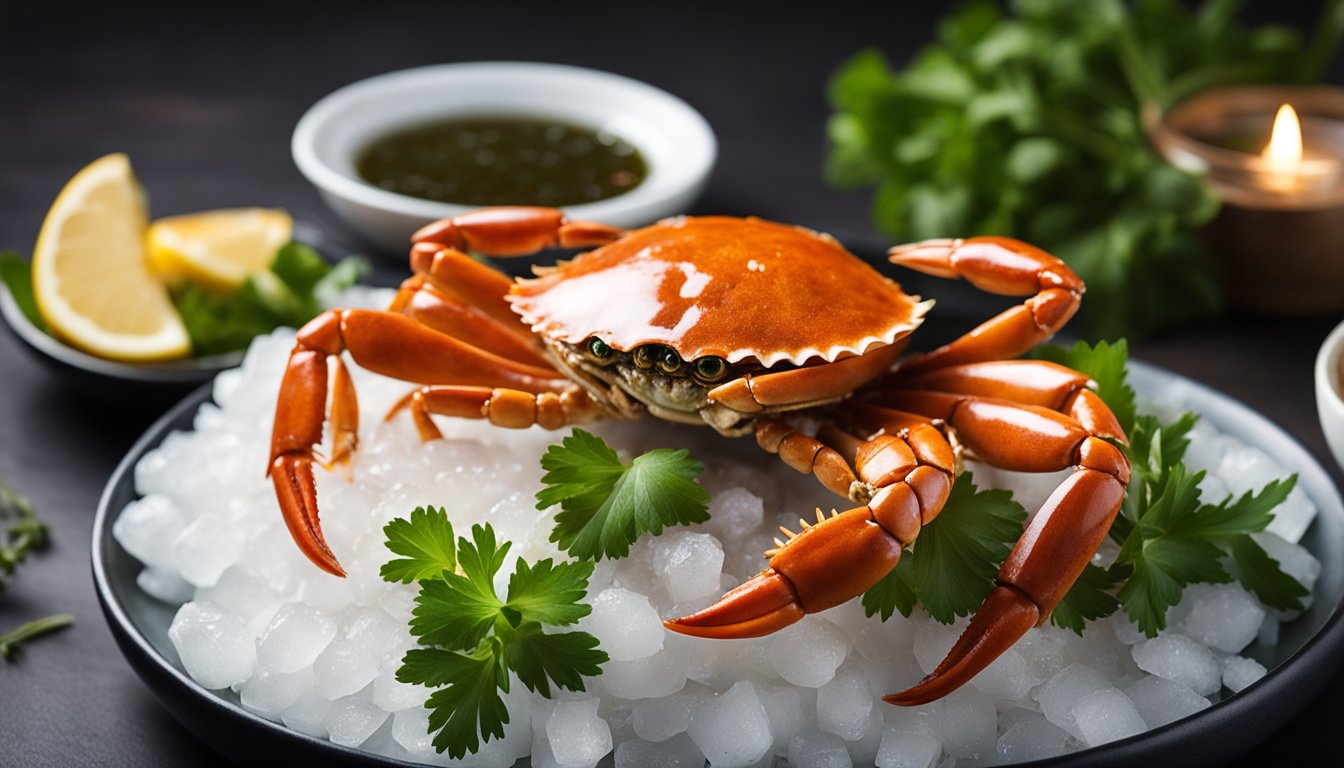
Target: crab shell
[{"x": 740, "y": 289}]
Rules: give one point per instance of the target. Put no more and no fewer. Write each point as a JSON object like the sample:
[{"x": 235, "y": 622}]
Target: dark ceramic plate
[
  {"x": 1309, "y": 650},
  {"x": 162, "y": 382}
]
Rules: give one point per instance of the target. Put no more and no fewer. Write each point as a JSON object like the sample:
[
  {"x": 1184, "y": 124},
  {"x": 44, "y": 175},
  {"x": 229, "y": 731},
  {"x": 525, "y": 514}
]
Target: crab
[{"x": 752, "y": 328}]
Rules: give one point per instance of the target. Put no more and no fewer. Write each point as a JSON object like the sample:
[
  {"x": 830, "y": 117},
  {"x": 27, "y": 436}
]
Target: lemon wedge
[
  {"x": 91, "y": 274},
  {"x": 218, "y": 249}
]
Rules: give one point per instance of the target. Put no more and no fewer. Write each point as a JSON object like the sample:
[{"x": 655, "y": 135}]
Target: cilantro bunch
[
  {"x": 473, "y": 640},
  {"x": 1029, "y": 124}
]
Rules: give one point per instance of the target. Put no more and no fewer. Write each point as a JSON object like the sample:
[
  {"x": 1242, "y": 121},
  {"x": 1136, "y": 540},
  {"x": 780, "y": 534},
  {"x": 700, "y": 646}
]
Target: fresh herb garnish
[
  {"x": 607, "y": 504},
  {"x": 289, "y": 294},
  {"x": 474, "y": 639},
  {"x": 10, "y": 641},
  {"x": 950, "y": 568},
  {"x": 1029, "y": 124},
  {"x": 21, "y": 532}
]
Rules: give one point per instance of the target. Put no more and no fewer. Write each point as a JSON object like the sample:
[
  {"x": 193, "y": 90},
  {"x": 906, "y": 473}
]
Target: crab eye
[
  {"x": 711, "y": 368},
  {"x": 599, "y": 348},
  {"x": 668, "y": 360},
  {"x": 646, "y": 356}
]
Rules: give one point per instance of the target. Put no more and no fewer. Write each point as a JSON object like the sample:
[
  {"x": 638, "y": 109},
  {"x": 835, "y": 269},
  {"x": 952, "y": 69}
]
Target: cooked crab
[{"x": 743, "y": 325}]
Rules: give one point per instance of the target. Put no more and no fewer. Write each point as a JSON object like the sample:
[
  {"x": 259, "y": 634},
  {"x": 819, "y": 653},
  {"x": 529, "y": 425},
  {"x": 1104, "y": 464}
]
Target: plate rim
[{"x": 1298, "y": 677}]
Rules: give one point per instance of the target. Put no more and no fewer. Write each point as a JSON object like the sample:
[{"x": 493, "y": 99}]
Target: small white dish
[
  {"x": 675, "y": 140},
  {"x": 1329, "y": 385}
]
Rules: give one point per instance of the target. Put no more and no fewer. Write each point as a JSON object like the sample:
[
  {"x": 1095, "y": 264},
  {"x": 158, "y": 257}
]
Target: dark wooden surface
[{"x": 203, "y": 98}]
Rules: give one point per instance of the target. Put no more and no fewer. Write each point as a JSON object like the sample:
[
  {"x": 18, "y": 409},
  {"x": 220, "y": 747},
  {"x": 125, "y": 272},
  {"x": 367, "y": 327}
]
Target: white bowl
[
  {"x": 1329, "y": 384},
  {"x": 675, "y": 140}
]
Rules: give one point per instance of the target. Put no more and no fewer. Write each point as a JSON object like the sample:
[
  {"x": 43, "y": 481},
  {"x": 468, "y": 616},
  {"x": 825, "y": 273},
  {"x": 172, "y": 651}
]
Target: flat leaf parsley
[
  {"x": 607, "y": 504},
  {"x": 474, "y": 639}
]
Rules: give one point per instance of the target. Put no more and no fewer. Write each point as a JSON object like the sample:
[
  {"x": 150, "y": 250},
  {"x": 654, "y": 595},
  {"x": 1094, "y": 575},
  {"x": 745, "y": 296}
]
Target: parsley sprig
[
  {"x": 607, "y": 504},
  {"x": 472, "y": 639}
]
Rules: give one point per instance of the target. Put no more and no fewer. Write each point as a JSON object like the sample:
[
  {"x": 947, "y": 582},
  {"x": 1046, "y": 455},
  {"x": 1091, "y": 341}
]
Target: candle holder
[{"x": 1278, "y": 240}]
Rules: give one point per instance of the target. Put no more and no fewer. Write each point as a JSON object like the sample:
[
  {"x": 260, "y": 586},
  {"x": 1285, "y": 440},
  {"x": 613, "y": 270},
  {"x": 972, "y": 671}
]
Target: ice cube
[
  {"x": 967, "y": 724},
  {"x": 784, "y": 708},
  {"x": 375, "y": 634},
  {"x": 1293, "y": 517},
  {"x": 661, "y": 674},
  {"x": 844, "y": 704},
  {"x": 147, "y": 528},
  {"x": 732, "y": 729},
  {"x": 908, "y": 743},
  {"x": 295, "y": 637},
  {"x": 352, "y": 720},
  {"x": 818, "y": 749},
  {"x": 676, "y": 752},
  {"x": 1240, "y": 672},
  {"x": 933, "y": 640},
  {"x": 308, "y": 714},
  {"x": 270, "y": 692},
  {"x": 625, "y": 624},
  {"x": 1222, "y": 616},
  {"x": 1032, "y": 737},
  {"x": 660, "y": 719},
  {"x": 734, "y": 514},
  {"x": 1177, "y": 657},
  {"x": 393, "y": 695},
  {"x": 1160, "y": 701},
  {"x": 687, "y": 564},
  {"x": 1106, "y": 715},
  {"x": 577, "y": 735},
  {"x": 164, "y": 584},
  {"x": 1060, "y": 694},
  {"x": 247, "y": 596},
  {"x": 1007, "y": 677},
  {"x": 809, "y": 652},
  {"x": 410, "y": 728},
  {"x": 342, "y": 669},
  {"x": 216, "y": 648},
  {"x": 206, "y": 547}
]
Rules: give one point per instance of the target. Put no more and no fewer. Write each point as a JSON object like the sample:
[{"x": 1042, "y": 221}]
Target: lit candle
[
  {"x": 1279, "y": 237},
  {"x": 1283, "y": 153}
]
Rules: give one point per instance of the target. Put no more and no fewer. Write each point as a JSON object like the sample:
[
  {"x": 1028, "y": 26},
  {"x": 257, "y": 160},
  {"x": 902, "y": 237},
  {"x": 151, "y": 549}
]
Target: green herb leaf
[
  {"x": 286, "y": 295},
  {"x": 1261, "y": 574},
  {"x": 426, "y": 539},
  {"x": 21, "y": 532},
  {"x": 606, "y": 504},
  {"x": 540, "y": 659},
  {"x": 550, "y": 594},
  {"x": 10, "y": 641},
  {"x": 953, "y": 563},
  {"x": 1087, "y": 600},
  {"x": 17, "y": 275},
  {"x": 472, "y": 639},
  {"x": 468, "y": 706}
]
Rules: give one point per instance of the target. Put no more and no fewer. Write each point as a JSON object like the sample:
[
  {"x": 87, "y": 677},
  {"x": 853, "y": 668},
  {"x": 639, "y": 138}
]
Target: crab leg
[
  {"x": 806, "y": 386},
  {"x": 502, "y": 407},
  {"x": 513, "y": 231},
  {"x": 1004, "y": 266},
  {"x": 843, "y": 555},
  {"x": 1061, "y": 538},
  {"x": 384, "y": 342},
  {"x": 423, "y": 301}
]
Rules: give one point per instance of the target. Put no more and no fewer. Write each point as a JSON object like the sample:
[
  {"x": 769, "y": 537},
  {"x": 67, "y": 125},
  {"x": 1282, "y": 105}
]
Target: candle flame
[{"x": 1285, "y": 141}]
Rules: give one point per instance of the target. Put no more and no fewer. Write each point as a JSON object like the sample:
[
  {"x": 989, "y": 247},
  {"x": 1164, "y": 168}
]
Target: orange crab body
[{"x": 742, "y": 325}]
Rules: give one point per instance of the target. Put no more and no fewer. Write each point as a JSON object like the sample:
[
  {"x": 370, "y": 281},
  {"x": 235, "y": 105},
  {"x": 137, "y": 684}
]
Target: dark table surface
[{"x": 204, "y": 98}]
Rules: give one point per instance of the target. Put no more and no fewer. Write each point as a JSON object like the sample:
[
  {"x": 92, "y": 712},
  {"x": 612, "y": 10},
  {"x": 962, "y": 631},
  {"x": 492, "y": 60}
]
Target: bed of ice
[{"x": 319, "y": 654}]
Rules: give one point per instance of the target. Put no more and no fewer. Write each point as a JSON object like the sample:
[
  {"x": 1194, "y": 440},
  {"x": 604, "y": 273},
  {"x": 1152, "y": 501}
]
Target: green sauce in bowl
[{"x": 503, "y": 161}]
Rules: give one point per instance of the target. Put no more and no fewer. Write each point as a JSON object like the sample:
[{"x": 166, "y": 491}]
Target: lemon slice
[
  {"x": 91, "y": 276},
  {"x": 218, "y": 249}
]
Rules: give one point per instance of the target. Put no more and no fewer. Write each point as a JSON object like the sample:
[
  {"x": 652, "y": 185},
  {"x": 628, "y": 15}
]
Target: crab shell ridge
[{"x": 740, "y": 289}]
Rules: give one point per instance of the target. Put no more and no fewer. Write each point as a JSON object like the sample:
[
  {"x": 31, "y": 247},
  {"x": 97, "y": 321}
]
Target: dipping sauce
[{"x": 503, "y": 161}]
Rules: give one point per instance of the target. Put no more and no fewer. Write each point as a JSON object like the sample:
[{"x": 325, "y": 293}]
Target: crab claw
[
  {"x": 767, "y": 603},
  {"x": 1004, "y": 617},
  {"x": 296, "y": 490},
  {"x": 830, "y": 562}
]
